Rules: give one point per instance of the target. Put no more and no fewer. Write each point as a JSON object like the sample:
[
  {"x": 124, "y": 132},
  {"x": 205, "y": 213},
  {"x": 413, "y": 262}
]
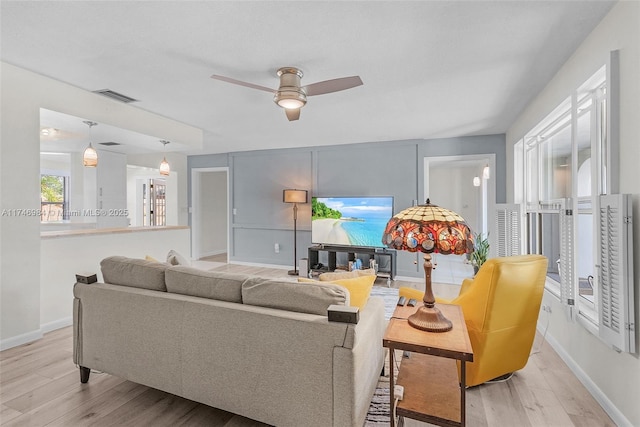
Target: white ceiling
[
  {"x": 430, "y": 69},
  {"x": 63, "y": 133}
]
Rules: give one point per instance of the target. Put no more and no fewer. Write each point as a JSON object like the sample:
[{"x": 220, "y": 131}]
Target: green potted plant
[{"x": 480, "y": 251}]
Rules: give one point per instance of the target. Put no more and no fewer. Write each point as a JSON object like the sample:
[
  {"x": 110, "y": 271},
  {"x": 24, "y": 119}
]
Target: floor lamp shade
[{"x": 295, "y": 196}]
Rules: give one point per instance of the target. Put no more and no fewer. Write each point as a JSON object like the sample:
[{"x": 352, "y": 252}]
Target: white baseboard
[
  {"x": 20, "y": 339},
  {"x": 254, "y": 264},
  {"x": 212, "y": 253},
  {"x": 618, "y": 417},
  {"x": 56, "y": 324},
  {"x": 35, "y": 335}
]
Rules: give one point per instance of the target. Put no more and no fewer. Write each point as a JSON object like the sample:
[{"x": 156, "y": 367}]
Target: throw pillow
[
  {"x": 150, "y": 258},
  {"x": 336, "y": 275},
  {"x": 174, "y": 258},
  {"x": 359, "y": 288}
]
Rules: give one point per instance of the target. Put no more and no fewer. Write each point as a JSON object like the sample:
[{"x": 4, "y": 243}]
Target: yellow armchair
[{"x": 500, "y": 306}]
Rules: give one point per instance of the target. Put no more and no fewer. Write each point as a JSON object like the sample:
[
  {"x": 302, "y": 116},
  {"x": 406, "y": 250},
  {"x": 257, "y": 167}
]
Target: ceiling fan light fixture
[
  {"x": 290, "y": 95},
  {"x": 290, "y": 99}
]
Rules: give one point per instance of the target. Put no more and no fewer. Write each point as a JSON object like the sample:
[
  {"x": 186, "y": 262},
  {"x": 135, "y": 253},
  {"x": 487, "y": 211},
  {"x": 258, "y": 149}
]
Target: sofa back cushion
[
  {"x": 137, "y": 273},
  {"x": 205, "y": 284},
  {"x": 307, "y": 298}
]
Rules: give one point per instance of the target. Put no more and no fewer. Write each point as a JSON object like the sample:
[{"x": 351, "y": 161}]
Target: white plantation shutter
[
  {"x": 567, "y": 265},
  {"x": 508, "y": 230},
  {"x": 615, "y": 272}
]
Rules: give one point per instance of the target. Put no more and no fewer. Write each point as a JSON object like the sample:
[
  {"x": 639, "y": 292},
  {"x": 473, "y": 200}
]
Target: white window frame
[{"x": 611, "y": 314}]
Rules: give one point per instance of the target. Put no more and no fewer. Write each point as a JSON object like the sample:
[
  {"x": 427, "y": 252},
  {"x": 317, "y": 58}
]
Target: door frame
[
  {"x": 196, "y": 206},
  {"x": 489, "y": 191}
]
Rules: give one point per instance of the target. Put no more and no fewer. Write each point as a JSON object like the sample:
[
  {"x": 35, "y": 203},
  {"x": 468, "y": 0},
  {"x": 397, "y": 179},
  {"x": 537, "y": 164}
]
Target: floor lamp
[{"x": 295, "y": 197}]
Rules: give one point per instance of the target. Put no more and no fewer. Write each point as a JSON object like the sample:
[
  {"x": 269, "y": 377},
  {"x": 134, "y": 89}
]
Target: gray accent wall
[{"x": 390, "y": 168}]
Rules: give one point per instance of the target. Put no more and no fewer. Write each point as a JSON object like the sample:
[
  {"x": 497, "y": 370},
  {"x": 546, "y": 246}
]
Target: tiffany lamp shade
[{"x": 428, "y": 228}]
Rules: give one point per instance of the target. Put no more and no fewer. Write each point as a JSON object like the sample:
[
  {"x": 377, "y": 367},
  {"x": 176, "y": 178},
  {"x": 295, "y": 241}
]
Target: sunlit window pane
[{"x": 555, "y": 165}]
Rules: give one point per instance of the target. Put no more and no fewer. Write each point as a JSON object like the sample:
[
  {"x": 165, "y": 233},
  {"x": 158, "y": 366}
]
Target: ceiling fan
[{"x": 290, "y": 95}]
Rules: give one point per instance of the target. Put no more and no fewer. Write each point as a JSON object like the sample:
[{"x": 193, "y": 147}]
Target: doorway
[
  {"x": 468, "y": 191},
  {"x": 210, "y": 213},
  {"x": 154, "y": 203}
]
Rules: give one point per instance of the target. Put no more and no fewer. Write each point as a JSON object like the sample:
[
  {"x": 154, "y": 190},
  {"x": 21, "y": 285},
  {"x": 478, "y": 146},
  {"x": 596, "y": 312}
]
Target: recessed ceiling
[
  {"x": 430, "y": 69},
  {"x": 64, "y": 133}
]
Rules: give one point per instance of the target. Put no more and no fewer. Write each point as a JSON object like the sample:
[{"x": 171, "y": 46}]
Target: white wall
[
  {"x": 613, "y": 377},
  {"x": 63, "y": 257},
  {"x": 212, "y": 221},
  {"x": 23, "y": 94},
  {"x": 458, "y": 194},
  {"x": 112, "y": 190}
]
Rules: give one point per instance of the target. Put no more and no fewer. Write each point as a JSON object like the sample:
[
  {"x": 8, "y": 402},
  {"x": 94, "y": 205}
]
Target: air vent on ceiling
[
  {"x": 109, "y": 144},
  {"x": 115, "y": 95}
]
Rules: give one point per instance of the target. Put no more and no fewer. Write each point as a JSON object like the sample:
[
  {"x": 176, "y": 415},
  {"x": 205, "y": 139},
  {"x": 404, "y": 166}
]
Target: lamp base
[
  {"x": 293, "y": 272},
  {"x": 429, "y": 319}
]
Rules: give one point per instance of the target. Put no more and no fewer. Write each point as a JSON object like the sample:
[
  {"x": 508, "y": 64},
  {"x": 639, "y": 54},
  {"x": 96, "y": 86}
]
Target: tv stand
[{"x": 351, "y": 251}]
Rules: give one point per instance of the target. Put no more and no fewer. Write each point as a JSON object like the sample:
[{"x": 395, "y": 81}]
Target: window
[
  {"x": 54, "y": 198},
  {"x": 562, "y": 174},
  {"x": 547, "y": 174}
]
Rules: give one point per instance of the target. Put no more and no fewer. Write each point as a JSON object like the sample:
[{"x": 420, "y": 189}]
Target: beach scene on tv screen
[{"x": 351, "y": 221}]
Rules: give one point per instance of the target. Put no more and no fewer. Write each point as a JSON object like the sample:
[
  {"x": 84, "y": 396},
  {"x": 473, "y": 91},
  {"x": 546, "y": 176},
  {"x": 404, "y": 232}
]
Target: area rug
[
  {"x": 378, "y": 413},
  {"x": 390, "y": 297}
]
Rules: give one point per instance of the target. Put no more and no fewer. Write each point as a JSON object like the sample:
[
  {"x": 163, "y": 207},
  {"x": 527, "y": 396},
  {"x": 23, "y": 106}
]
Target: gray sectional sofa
[{"x": 256, "y": 347}]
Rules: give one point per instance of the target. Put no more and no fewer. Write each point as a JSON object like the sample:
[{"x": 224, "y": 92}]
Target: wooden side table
[{"x": 432, "y": 389}]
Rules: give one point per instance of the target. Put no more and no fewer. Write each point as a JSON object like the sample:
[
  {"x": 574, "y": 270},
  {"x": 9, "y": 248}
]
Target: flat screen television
[{"x": 350, "y": 221}]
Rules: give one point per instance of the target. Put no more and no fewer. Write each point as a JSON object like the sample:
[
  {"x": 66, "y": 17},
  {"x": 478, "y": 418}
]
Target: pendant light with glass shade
[
  {"x": 164, "y": 165},
  {"x": 486, "y": 172},
  {"x": 90, "y": 155}
]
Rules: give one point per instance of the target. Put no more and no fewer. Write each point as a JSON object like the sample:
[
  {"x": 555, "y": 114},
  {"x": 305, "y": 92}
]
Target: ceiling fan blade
[
  {"x": 292, "y": 114},
  {"x": 334, "y": 85},
  {"x": 241, "y": 83}
]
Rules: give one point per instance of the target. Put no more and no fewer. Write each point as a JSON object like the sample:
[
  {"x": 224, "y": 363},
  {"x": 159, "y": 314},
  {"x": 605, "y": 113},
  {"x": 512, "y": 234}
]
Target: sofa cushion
[
  {"x": 205, "y": 284},
  {"x": 310, "y": 298},
  {"x": 137, "y": 273},
  {"x": 336, "y": 275},
  {"x": 359, "y": 288}
]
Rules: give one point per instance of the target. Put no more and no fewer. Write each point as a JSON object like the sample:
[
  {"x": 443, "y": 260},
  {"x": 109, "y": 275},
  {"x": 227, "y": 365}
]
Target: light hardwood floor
[
  {"x": 215, "y": 258},
  {"x": 39, "y": 385}
]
